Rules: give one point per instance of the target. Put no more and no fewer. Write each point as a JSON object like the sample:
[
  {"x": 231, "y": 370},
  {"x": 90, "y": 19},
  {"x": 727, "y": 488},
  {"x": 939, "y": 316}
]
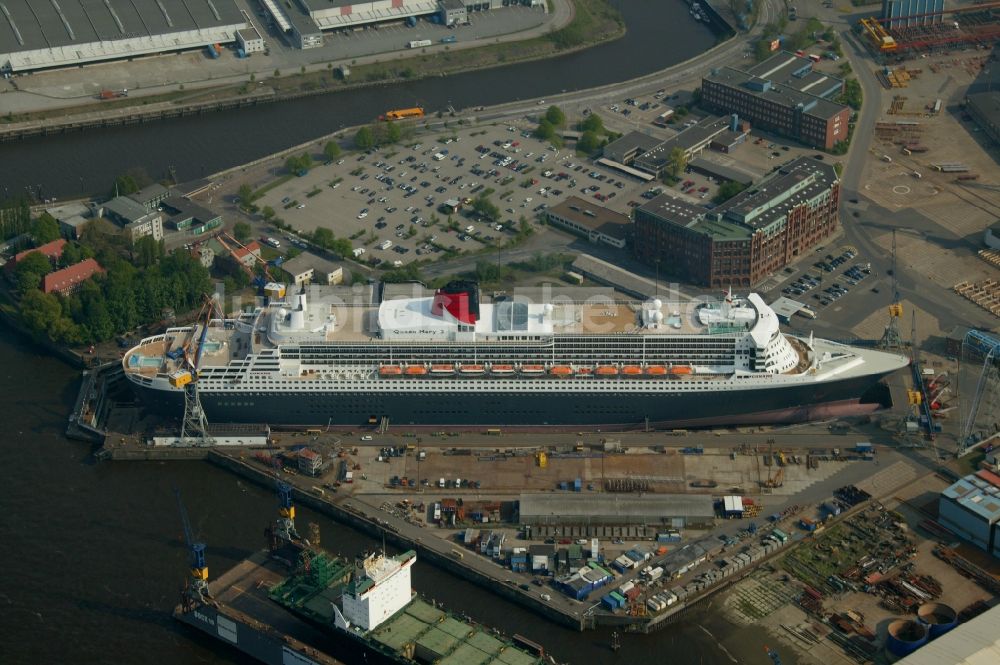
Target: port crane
[
  {"x": 891, "y": 338},
  {"x": 227, "y": 241},
  {"x": 194, "y": 427},
  {"x": 986, "y": 386},
  {"x": 197, "y": 587}
]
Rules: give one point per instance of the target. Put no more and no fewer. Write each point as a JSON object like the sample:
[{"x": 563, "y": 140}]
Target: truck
[{"x": 420, "y": 43}]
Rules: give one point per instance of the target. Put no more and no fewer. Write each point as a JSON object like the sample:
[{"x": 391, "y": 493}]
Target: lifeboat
[
  {"x": 656, "y": 370},
  {"x": 584, "y": 371},
  {"x": 680, "y": 370},
  {"x": 442, "y": 369},
  {"x": 415, "y": 370},
  {"x": 471, "y": 369},
  {"x": 390, "y": 370},
  {"x": 561, "y": 370},
  {"x": 532, "y": 369},
  {"x": 632, "y": 370},
  {"x": 502, "y": 369},
  {"x": 606, "y": 370}
]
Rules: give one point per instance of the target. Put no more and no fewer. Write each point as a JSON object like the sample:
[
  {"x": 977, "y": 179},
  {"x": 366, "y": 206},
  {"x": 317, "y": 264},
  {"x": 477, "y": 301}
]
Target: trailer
[{"x": 420, "y": 43}]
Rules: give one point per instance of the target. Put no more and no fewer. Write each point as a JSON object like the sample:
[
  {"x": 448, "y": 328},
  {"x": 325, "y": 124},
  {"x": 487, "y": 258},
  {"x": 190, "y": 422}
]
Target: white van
[
  {"x": 386, "y": 244},
  {"x": 470, "y": 228}
]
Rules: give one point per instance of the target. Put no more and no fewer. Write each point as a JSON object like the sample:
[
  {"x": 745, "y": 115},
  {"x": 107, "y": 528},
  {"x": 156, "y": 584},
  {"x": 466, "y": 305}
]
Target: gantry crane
[
  {"x": 197, "y": 587},
  {"x": 283, "y": 531}
]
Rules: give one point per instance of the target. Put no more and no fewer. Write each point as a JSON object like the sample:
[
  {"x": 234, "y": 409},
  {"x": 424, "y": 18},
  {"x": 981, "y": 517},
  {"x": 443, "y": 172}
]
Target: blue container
[
  {"x": 938, "y": 617},
  {"x": 906, "y": 636}
]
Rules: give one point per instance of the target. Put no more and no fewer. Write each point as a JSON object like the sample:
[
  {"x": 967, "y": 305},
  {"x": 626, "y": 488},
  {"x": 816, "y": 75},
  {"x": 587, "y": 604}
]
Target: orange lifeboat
[
  {"x": 561, "y": 370},
  {"x": 390, "y": 370},
  {"x": 607, "y": 370},
  {"x": 532, "y": 369},
  {"x": 442, "y": 369},
  {"x": 415, "y": 370},
  {"x": 471, "y": 369},
  {"x": 632, "y": 370},
  {"x": 656, "y": 370},
  {"x": 680, "y": 370},
  {"x": 502, "y": 369},
  {"x": 584, "y": 371}
]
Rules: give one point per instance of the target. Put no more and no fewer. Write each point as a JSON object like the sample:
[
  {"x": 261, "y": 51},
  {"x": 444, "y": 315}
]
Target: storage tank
[
  {"x": 905, "y": 636},
  {"x": 938, "y": 617}
]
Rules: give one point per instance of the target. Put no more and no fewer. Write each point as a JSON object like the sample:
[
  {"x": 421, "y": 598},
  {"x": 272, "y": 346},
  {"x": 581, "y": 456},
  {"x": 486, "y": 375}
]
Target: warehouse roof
[
  {"x": 975, "y": 642},
  {"x": 796, "y": 72},
  {"x": 792, "y": 185},
  {"x": 28, "y": 25},
  {"x": 635, "y": 507},
  {"x": 721, "y": 170},
  {"x": 622, "y": 280},
  {"x": 593, "y": 217},
  {"x": 976, "y": 494},
  {"x": 779, "y": 92},
  {"x": 307, "y": 261}
]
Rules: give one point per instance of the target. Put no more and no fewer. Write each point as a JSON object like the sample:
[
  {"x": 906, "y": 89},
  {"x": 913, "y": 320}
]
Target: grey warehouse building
[
  {"x": 984, "y": 107},
  {"x": 41, "y": 35},
  {"x": 570, "y": 508}
]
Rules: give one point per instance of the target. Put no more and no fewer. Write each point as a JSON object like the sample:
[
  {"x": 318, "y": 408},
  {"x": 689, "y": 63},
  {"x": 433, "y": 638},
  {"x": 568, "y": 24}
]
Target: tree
[
  {"x": 555, "y": 115},
  {"x": 28, "y": 272},
  {"x": 246, "y": 195},
  {"x": 365, "y": 138},
  {"x": 267, "y": 212},
  {"x": 242, "y": 231},
  {"x": 524, "y": 227},
  {"x": 589, "y": 142},
  {"x": 392, "y": 133},
  {"x": 592, "y": 123},
  {"x": 677, "y": 163},
  {"x": 486, "y": 208},
  {"x": 546, "y": 131},
  {"x": 298, "y": 163},
  {"x": 331, "y": 150},
  {"x": 728, "y": 190},
  {"x": 40, "y": 311},
  {"x": 323, "y": 237},
  {"x": 147, "y": 251},
  {"x": 71, "y": 255},
  {"x": 44, "y": 228}
]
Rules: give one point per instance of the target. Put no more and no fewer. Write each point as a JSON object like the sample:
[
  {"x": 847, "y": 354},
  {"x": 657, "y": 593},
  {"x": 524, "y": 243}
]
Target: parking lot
[{"x": 391, "y": 202}]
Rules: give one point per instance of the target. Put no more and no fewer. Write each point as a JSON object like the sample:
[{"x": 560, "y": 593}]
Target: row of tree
[{"x": 127, "y": 295}]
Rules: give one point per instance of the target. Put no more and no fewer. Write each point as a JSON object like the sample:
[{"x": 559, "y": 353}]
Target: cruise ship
[{"x": 450, "y": 358}]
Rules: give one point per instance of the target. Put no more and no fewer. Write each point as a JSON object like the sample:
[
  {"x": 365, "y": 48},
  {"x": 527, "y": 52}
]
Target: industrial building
[
  {"x": 906, "y": 13},
  {"x": 570, "y": 508},
  {"x": 984, "y": 107},
  {"x": 594, "y": 222},
  {"x": 133, "y": 218},
  {"x": 304, "y": 21},
  {"x": 250, "y": 40},
  {"x": 745, "y": 239},
  {"x": 186, "y": 215},
  {"x": 42, "y": 35},
  {"x": 308, "y": 268},
  {"x": 783, "y": 94},
  {"x": 639, "y": 154},
  {"x": 970, "y": 508}
]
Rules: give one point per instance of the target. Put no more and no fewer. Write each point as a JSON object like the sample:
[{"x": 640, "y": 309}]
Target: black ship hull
[{"x": 606, "y": 410}]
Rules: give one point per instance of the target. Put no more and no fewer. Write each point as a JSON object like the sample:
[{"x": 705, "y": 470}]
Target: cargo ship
[
  {"x": 449, "y": 358},
  {"x": 296, "y": 603}
]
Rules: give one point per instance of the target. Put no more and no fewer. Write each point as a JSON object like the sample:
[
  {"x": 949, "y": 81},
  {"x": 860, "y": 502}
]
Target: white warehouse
[{"x": 42, "y": 35}]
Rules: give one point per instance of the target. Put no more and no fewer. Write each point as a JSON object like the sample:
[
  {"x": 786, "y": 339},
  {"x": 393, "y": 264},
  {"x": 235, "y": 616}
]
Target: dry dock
[{"x": 245, "y": 618}]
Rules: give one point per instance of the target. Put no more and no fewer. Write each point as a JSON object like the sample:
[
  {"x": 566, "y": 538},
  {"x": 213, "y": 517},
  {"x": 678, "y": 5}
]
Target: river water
[
  {"x": 660, "y": 33},
  {"x": 93, "y": 556}
]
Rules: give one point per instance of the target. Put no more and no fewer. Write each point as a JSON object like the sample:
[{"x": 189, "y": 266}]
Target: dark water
[
  {"x": 92, "y": 558},
  {"x": 660, "y": 33}
]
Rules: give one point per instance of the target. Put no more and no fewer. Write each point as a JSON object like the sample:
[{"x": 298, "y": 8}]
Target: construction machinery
[
  {"x": 980, "y": 420},
  {"x": 196, "y": 588},
  {"x": 284, "y": 532},
  {"x": 776, "y": 480}
]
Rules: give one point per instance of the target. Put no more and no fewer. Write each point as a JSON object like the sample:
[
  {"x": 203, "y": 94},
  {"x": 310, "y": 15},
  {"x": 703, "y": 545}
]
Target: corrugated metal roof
[{"x": 976, "y": 642}]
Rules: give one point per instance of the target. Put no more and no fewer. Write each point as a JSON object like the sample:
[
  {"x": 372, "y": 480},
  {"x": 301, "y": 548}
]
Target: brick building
[
  {"x": 783, "y": 94},
  {"x": 65, "y": 281},
  {"x": 745, "y": 239}
]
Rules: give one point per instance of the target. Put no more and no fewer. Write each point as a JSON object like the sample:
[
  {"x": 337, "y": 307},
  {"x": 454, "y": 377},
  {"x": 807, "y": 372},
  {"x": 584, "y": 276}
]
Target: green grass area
[{"x": 281, "y": 180}]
